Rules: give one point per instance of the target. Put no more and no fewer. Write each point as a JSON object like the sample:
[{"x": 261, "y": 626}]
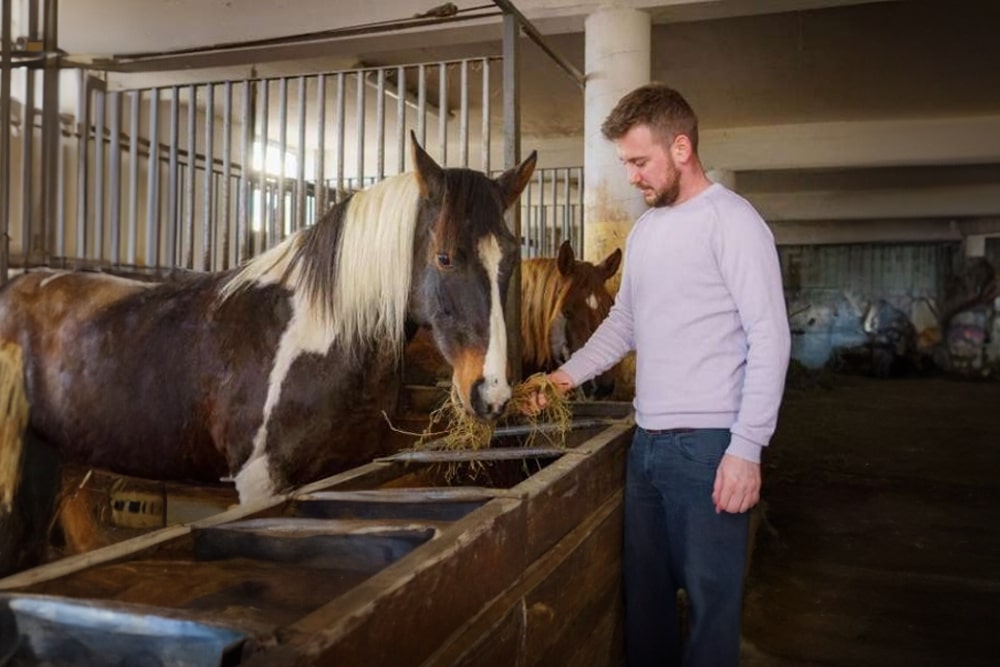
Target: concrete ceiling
[{"x": 834, "y": 87}]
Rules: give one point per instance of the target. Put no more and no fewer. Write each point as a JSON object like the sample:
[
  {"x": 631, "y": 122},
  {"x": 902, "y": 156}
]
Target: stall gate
[{"x": 203, "y": 176}]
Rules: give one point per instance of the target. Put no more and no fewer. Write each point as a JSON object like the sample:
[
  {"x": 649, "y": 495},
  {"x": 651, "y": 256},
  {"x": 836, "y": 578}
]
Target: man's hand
[
  {"x": 539, "y": 401},
  {"x": 737, "y": 485}
]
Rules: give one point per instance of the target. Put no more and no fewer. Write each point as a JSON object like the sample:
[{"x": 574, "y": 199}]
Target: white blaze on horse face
[
  {"x": 496, "y": 391},
  {"x": 592, "y": 301},
  {"x": 305, "y": 333}
]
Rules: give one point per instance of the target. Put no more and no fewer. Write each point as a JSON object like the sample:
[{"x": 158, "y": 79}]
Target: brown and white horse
[
  {"x": 277, "y": 373},
  {"x": 563, "y": 300}
]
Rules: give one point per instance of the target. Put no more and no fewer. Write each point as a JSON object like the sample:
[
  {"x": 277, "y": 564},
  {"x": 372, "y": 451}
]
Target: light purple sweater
[{"x": 701, "y": 302}]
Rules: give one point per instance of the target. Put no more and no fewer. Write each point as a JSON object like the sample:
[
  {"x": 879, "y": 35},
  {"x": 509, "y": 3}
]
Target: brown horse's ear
[
  {"x": 429, "y": 174},
  {"x": 566, "y": 260},
  {"x": 513, "y": 181},
  {"x": 610, "y": 264}
]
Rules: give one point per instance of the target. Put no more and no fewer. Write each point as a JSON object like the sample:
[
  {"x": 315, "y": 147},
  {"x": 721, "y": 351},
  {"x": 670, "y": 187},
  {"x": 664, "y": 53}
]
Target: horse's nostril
[{"x": 487, "y": 402}]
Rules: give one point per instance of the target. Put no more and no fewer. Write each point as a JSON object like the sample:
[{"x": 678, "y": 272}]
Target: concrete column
[
  {"x": 617, "y": 60},
  {"x": 726, "y": 177}
]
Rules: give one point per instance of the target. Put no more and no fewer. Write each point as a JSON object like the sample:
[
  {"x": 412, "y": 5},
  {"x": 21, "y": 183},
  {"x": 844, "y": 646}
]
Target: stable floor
[{"x": 880, "y": 535}]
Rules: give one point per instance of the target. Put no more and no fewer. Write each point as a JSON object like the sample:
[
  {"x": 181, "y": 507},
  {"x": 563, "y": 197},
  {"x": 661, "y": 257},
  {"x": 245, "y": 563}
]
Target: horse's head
[
  {"x": 465, "y": 255},
  {"x": 582, "y": 306}
]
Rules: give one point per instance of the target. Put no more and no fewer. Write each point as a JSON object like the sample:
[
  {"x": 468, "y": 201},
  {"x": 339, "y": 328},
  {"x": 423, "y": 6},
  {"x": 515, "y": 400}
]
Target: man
[{"x": 702, "y": 305}]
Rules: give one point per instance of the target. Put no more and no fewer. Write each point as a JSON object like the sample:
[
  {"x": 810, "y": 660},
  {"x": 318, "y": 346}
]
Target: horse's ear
[
  {"x": 566, "y": 259},
  {"x": 610, "y": 264},
  {"x": 429, "y": 174},
  {"x": 513, "y": 181}
]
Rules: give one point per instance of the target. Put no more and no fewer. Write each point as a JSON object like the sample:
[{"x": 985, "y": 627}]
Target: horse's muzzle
[{"x": 489, "y": 398}]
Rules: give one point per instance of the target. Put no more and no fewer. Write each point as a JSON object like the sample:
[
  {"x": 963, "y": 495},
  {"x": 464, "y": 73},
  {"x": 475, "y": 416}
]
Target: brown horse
[
  {"x": 277, "y": 373},
  {"x": 562, "y": 302}
]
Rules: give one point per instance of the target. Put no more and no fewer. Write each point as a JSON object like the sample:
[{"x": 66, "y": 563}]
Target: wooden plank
[
  {"x": 484, "y": 454},
  {"x": 131, "y": 547},
  {"x": 557, "y": 600},
  {"x": 562, "y": 495},
  {"x": 568, "y": 603},
  {"x": 401, "y": 614}
]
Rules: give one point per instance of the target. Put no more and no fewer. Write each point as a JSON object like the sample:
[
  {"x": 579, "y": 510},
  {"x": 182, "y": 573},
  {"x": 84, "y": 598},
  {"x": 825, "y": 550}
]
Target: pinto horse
[
  {"x": 563, "y": 300},
  {"x": 277, "y": 373}
]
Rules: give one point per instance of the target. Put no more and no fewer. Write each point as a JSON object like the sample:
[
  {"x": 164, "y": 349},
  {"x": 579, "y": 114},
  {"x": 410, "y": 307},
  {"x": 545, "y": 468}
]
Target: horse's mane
[
  {"x": 543, "y": 291},
  {"x": 351, "y": 271}
]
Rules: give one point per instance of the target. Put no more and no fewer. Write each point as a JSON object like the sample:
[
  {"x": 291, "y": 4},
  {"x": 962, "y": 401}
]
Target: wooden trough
[{"x": 503, "y": 556}]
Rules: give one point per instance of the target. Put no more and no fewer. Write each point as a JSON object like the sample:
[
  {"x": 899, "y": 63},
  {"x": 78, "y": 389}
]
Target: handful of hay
[{"x": 461, "y": 431}]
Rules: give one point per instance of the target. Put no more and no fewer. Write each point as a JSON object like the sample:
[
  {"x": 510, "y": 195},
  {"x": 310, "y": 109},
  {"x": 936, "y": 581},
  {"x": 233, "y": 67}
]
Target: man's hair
[{"x": 661, "y": 108}]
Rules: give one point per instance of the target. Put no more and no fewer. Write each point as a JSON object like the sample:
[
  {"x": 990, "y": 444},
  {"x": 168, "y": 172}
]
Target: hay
[
  {"x": 13, "y": 421},
  {"x": 452, "y": 428}
]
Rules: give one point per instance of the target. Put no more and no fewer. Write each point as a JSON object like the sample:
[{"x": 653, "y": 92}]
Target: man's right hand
[{"x": 539, "y": 401}]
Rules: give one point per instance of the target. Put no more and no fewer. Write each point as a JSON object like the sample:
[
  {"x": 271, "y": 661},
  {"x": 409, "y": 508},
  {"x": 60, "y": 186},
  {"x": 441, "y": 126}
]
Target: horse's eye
[{"x": 444, "y": 260}]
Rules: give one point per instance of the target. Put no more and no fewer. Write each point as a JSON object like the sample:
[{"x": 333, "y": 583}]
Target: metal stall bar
[
  {"x": 443, "y": 111},
  {"x": 359, "y": 121},
  {"x": 579, "y": 210},
  {"x": 174, "y": 227},
  {"x": 27, "y": 162},
  {"x": 207, "y": 200},
  {"x": 379, "y": 126},
  {"x": 225, "y": 194},
  {"x": 153, "y": 183},
  {"x": 463, "y": 116},
  {"x": 99, "y": 108},
  {"x": 83, "y": 123},
  {"x": 341, "y": 110},
  {"x": 282, "y": 231},
  {"x": 300, "y": 176},
  {"x": 262, "y": 212},
  {"x": 557, "y": 236},
  {"x": 133, "y": 177},
  {"x": 243, "y": 204},
  {"x": 5, "y": 83},
  {"x": 422, "y": 105},
  {"x": 567, "y": 221},
  {"x": 115, "y": 179},
  {"x": 320, "y": 190},
  {"x": 400, "y": 119},
  {"x": 190, "y": 196},
  {"x": 485, "y": 132},
  {"x": 52, "y": 203}
]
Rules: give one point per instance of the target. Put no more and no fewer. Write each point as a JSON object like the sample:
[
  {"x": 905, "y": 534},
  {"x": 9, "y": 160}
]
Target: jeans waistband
[{"x": 667, "y": 431}]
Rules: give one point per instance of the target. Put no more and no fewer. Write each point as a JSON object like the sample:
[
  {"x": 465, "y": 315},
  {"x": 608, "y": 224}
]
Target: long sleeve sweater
[{"x": 701, "y": 303}]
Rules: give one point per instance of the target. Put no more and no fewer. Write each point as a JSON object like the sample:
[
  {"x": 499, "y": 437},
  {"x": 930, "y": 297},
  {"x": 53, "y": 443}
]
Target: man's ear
[{"x": 680, "y": 149}]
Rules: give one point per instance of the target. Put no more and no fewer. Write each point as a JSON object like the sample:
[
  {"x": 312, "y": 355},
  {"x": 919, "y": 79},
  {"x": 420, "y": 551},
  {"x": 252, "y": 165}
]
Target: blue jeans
[{"x": 674, "y": 539}]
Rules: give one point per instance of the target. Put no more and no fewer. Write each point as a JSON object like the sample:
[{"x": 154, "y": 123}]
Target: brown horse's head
[
  {"x": 463, "y": 261},
  {"x": 562, "y": 303}
]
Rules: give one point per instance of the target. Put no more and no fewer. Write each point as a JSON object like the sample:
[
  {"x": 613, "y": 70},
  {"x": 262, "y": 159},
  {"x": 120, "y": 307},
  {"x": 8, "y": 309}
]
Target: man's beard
[{"x": 667, "y": 196}]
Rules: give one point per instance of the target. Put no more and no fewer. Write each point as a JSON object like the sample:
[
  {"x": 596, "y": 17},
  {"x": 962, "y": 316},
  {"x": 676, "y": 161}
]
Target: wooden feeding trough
[{"x": 508, "y": 555}]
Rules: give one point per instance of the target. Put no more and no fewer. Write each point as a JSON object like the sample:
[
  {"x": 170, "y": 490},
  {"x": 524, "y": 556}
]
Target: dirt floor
[{"x": 880, "y": 539}]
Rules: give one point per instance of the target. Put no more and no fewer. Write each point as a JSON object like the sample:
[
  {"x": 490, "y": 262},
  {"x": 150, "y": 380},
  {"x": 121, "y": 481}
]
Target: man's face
[{"x": 649, "y": 166}]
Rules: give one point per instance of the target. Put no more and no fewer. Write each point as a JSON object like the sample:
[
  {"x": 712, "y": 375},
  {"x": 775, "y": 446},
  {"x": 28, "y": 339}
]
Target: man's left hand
[{"x": 737, "y": 485}]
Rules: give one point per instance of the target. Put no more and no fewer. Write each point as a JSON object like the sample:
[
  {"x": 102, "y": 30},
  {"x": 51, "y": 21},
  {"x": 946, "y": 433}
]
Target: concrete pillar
[
  {"x": 726, "y": 177},
  {"x": 617, "y": 60}
]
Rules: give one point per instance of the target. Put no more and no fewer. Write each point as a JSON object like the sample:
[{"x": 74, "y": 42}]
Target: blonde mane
[
  {"x": 543, "y": 291},
  {"x": 351, "y": 271}
]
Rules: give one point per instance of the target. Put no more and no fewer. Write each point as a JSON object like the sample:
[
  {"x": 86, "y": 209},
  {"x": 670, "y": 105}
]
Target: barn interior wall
[{"x": 831, "y": 289}]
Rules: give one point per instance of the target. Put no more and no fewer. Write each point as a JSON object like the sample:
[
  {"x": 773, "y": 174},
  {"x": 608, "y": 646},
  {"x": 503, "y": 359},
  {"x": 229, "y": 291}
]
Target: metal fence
[{"x": 203, "y": 176}]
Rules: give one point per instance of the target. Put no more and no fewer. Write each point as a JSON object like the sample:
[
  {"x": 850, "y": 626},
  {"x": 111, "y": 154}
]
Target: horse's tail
[{"x": 13, "y": 421}]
